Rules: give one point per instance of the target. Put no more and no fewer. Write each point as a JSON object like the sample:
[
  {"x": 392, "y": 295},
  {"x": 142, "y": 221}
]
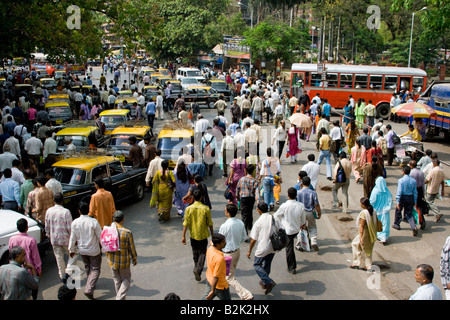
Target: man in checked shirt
[
  {"x": 247, "y": 192},
  {"x": 120, "y": 260}
]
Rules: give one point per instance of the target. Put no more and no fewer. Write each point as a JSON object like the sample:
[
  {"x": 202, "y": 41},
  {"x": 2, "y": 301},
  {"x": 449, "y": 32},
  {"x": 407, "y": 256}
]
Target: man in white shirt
[
  {"x": 14, "y": 146},
  {"x": 337, "y": 134},
  {"x": 201, "y": 125},
  {"x": 52, "y": 183},
  {"x": 159, "y": 106},
  {"x": 153, "y": 167},
  {"x": 251, "y": 139},
  {"x": 50, "y": 147},
  {"x": 312, "y": 169},
  {"x": 260, "y": 235},
  {"x": 279, "y": 138},
  {"x": 278, "y": 114},
  {"x": 227, "y": 151},
  {"x": 291, "y": 216},
  {"x": 239, "y": 142},
  {"x": 234, "y": 231},
  {"x": 428, "y": 290},
  {"x": 257, "y": 107},
  {"x": 34, "y": 147},
  {"x": 245, "y": 120},
  {"x": 6, "y": 158},
  {"x": 323, "y": 123},
  {"x": 85, "y": 235}
]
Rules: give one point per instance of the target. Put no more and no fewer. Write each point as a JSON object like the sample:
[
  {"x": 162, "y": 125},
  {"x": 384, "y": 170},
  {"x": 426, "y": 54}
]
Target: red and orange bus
[{"x": 374, "y": 83}]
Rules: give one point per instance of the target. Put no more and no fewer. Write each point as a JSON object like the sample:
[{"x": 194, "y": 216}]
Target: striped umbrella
[{"x": 414, "y": 109}]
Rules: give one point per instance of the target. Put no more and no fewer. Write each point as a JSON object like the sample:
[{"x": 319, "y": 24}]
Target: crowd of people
[{"x": 253, "y": 179}]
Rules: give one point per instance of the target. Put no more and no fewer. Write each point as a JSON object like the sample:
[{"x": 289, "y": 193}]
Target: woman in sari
[
  {"x": 375, "y": 152},
  {"x": 381, "y": 201},
  {"x": 359, "y": 113},
  {"x": 238, "y": 170},
  {"x": 371, "y": 172},
  {"x": 358, "y": 159},
  {"x": 362, "y": 244},
  {"x": 294, "y": 143},
  {"x": 182, "y": 186},
  {"x": 162, "y": 192},
  {"x": 348, "y": 113},
  {"x": 352, "y": 134}
]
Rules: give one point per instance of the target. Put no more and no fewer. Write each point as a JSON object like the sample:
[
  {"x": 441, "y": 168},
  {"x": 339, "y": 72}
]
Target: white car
[
  {"x": 188, "y": 82},
  {"x": 8, "y": 228}
]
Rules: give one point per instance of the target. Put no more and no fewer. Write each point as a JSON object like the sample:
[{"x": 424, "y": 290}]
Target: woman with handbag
[
  {"x": 162, "y": 193},
  {"x": 362, "y": 245},
  {"x": 381, "y": 201}
]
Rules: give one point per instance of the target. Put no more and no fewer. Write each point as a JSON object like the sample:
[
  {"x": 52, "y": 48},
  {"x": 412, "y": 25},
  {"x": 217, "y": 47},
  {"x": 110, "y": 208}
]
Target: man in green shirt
[
  {"x": 26, "y": 188},
  {"x": 197, "y": 218}
]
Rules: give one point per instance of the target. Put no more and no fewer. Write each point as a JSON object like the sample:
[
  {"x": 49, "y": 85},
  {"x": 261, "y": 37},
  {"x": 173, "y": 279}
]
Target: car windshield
[
  {"x": 176, "y": 87},
  {"x": 121, "y": 141},
  {"x": 189, "y": 80},
  {"x": 193, "y": 73},
  {"x": 171, "y": 147},
  {"x": 112, "y": 120},
  {"x": 58, "y": 110},
  {"x": 219, "y": 85},
  {"x": 78, "y": 141},
  {"x": 70, "y": 176}
]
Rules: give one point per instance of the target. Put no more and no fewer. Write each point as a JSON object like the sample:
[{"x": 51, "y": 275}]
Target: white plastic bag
[{"x": 303, "y": 241}]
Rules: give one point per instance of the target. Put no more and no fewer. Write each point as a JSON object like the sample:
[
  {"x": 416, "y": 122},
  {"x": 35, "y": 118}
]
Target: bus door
[
  {"x": 299, "y": 81},
  {"x": 405, "y": 83}
]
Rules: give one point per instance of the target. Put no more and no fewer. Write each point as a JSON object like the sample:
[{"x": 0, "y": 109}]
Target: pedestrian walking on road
[
  {"x": 264, "y": 254},
  {"x": 291, "y": 216},
  {"x": 371, "y": 171},
  {"x": 235, "y": 233},
  {"x": 381, "y": 201},
  {"x": 362, "y": 244},
  {"x": 216, "y": 282},
  {"x": 197, "y": 218},
  {"x": 435, "y": 180},
  {"x": 247, "y": 192},
  {"x": 102, "y": 205},
  {"x": 341, "y": 179},
  {"x": 324, "y": 147},
  {"x": 406, "y": 200},
  {"x": 85, "y": 236},
  {"x": 162, "y": 192},
  {"x": 58, "y": 221},
  {"x": 120, "y": 260},
  {"x": 270, "y": 168},
  {"x": 428, "y": 290},
  {"x": 19, "y": 278}
]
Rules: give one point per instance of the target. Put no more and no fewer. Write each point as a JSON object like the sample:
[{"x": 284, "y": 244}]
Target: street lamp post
[
  {"x": 410, "y": 40},
  {"x": 312, "y": 41}
]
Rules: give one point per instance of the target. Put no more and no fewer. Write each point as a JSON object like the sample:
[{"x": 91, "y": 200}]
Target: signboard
[{"x": 233, "y": 47}]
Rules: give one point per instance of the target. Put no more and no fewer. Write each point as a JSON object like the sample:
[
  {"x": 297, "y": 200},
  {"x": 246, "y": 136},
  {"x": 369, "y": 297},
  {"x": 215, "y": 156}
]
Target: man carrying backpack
[
  {"x": 209, "y": 150},
  {"x": 341, "y": 179}
]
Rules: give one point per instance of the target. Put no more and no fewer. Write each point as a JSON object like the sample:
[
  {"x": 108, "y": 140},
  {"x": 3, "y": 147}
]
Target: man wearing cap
[{"x": 120, "y": 260}]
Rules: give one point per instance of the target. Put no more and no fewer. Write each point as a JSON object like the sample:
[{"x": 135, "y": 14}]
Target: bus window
[
  {"x": 316, "y": 79},
  {"x": 390, "y": 83},
  {"x": 346, "y": 81},
  {"x": 361, "y": 81},
  {"x": 376, "y": 82},
  {"x": 417, "y": 84},
  {"x": 405, "y": 83},
  {"x": 332, "y": 80},
  {"x": 306, "y": 79}
]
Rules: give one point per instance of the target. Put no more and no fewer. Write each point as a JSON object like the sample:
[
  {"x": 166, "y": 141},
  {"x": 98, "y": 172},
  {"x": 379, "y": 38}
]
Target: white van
[{"x": 190, "y": 73}]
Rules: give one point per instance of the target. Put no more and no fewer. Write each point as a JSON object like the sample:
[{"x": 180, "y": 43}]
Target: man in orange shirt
[
  {"x": 217, "y": 284},
  {"x": 102, "y": 205}
]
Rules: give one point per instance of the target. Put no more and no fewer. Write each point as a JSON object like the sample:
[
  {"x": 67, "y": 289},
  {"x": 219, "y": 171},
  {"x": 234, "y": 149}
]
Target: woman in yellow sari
[
  {"x": 362, "y": 244},
  {"x": 162, "y": 192}
]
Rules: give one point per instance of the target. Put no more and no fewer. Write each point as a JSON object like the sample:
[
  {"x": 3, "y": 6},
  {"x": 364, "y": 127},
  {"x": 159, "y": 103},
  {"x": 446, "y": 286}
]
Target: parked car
[
  {"x": 221, "y": 87},
  {"x": 203, "y": 95},
  {"x": 8, "y": 228}
]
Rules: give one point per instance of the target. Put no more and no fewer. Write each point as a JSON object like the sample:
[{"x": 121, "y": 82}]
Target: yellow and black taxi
[
  {"x": 154, "y": 78},
  {"x": 77, "y": 176},
  {"x": 118, "y": 143},
  {"x": 59, "y": 111},
  {"x": 59, "y": 96},
  {"x": 221, "y": 87},
  {"x": 79, "y": 135},
  {"x": 171, "y": 140},
  {"x": 204, "y": 95},
  {"x": 147, "y": 71},
  {"x": 164, "y": 71},
  {"x": 150, "y": 92},
  {"x": 48, "y": 83},
  {"x": 126, "y": 96},
  {"x": 113, "y": 118}
]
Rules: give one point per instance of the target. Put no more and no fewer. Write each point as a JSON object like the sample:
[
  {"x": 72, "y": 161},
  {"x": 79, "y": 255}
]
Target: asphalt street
[{"x": 165, "y": 264}]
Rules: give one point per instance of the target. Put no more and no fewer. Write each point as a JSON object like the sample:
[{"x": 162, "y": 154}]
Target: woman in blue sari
[
  {"x": 348, "y": 113},
  {"x": 381, "y": 201},
  {"x": 182, "y": 183}
]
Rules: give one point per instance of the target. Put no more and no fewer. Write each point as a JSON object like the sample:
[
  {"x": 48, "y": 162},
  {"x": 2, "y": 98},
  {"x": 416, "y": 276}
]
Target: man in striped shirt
[
  {"x": 120, "y": 260},
  {"x": 247, "y": 193},
  {"x": 58, "y": 221}
]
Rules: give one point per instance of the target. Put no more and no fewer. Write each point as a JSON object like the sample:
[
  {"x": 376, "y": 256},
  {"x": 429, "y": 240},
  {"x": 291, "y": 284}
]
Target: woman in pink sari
[
  {"x": 238, "y": 170},
  {"x": 359, "y": 159},
  {"x": 294, "y": 143}
]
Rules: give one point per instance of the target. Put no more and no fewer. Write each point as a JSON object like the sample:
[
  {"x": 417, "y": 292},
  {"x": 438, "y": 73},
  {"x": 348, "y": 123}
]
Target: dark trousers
[
  {"x": 247, "y": 205},
  {"x": 421, "y": 205},
  {"x": 336, "y": 152},
  {"x": 10, "y": 205},
  {"x": 390, "y": 155},
  {"x": 199, "y": 254},
  {"x": 151, "y": 120},
  {"x": 280, "y": 148},
  {"x": 406, "y": 204},
  {"x": 290, "y": 253}
]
